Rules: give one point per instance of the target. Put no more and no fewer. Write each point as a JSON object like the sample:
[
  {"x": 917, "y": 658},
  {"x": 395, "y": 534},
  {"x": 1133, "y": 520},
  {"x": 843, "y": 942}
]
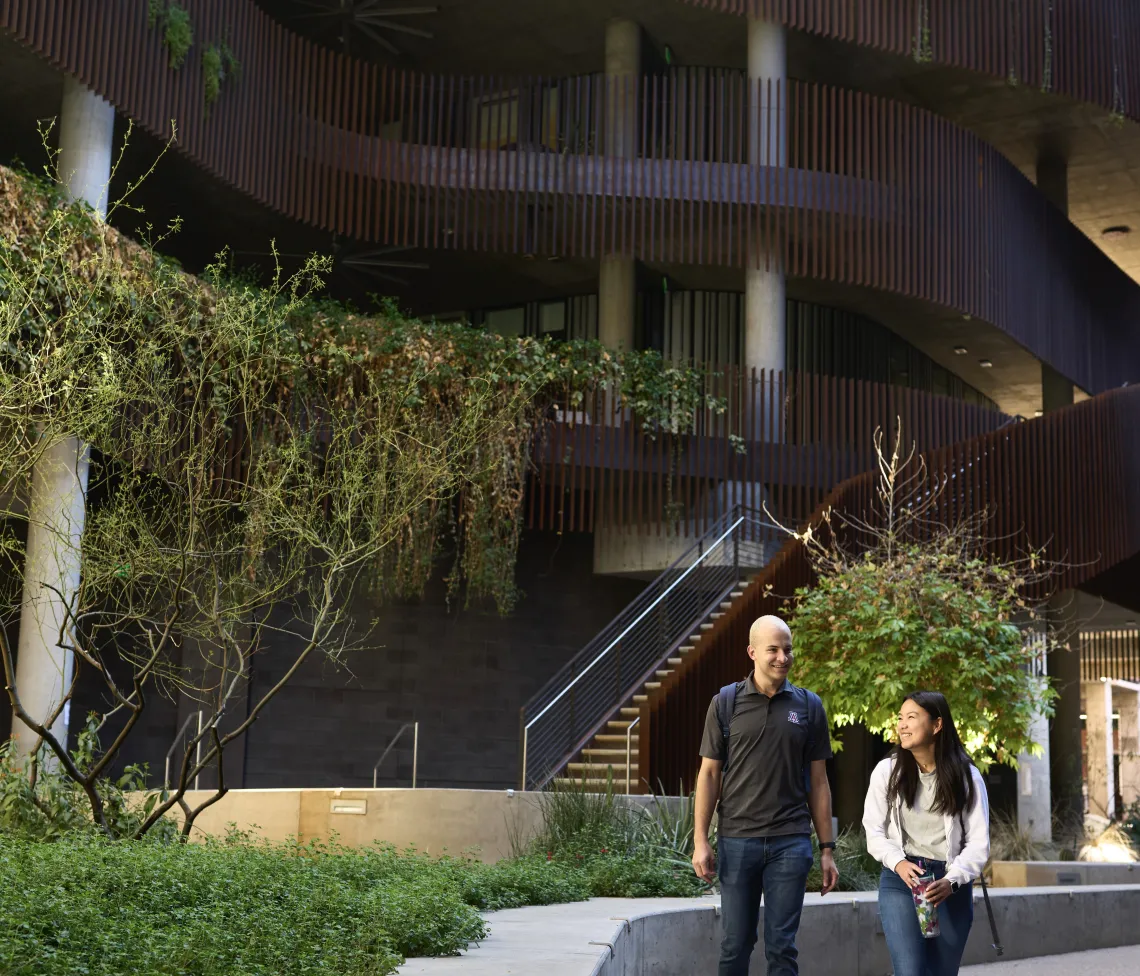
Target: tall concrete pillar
[
  {"x": 617, "y": 274},
  {"x": 57, "y": 503},
  {"x": 765, "y": 300},
  {"x": 86, "y": 128},
  {"x": 1127, "y": 702},
  {"x": 1034, "y": 796},
  {"x": 1098, "y": 741}
]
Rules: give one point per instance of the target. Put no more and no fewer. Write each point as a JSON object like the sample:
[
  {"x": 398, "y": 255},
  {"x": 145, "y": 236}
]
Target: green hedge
[{"x": 92, "y": 908}]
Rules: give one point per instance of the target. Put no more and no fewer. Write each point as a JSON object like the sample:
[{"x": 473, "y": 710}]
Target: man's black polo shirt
[{"x": 763, "y": 793}]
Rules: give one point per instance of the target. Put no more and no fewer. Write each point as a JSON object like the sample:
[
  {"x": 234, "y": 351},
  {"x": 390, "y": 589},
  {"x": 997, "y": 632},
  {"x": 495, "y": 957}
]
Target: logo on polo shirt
[{"x": 794, "y": 717}]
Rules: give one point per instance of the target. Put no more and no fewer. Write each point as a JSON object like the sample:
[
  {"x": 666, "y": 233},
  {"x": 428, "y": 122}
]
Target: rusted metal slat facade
[
  {"x": 1072, "y": 473},
  {"x": 874, "y": 193},
  {"x": 778, "y": 439}
]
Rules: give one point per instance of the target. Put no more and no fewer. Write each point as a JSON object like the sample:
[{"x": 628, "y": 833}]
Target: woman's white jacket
[{"x": 967, "y": 854}]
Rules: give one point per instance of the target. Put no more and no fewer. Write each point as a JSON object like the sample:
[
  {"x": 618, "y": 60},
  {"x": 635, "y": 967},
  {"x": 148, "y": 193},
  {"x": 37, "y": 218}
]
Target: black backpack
[{"x": 726, "y": 702}]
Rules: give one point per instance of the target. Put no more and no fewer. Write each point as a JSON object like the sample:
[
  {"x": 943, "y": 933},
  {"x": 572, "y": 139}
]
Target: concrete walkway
[
  {"x": 1100, "y": 962},
  {"x": 551, "y": 940},
  {"x": 573, "y": 939}
]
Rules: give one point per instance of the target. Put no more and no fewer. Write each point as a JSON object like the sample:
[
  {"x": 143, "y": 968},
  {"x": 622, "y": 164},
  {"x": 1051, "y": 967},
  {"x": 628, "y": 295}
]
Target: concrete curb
[{"x": 840, "y": 934}]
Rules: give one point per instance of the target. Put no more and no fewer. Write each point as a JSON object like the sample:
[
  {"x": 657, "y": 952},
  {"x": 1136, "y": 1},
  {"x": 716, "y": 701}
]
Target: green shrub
[
  {"x": 56, "y": 807},
  {"x": 101, "y": 909},
  {"x": 858, "y": 870}
]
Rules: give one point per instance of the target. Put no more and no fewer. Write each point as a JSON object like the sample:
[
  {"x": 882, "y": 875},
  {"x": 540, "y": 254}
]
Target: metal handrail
[
  {"x": 415, "y": 726},
  {"x": 559, "y": 719},
  {"x": 174, "y": 745},
  {"x": 641, "y": 616},
  {"x": 628, "y": 741}
]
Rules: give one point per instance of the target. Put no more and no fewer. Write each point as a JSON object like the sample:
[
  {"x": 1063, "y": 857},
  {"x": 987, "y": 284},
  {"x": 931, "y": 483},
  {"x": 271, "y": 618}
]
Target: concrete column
[
  {"x": 1098, "y": 740},
  {"x": 57, "y": 505},
  {"x": 56, "y": 511},
  {"x": 617, "y": 301},
  {"x": 765, "y": 303},
  {"x": 1034, "y": 797},
  {"x": 86, "y": 127},
  {"x": 617, "y": 275},
  {"x": 1127, "y": 702}
]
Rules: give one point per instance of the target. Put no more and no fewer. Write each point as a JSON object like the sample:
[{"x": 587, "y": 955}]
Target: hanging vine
[
  {"x": 922, "y": 50},
  {"x": 177, "y": 30}
]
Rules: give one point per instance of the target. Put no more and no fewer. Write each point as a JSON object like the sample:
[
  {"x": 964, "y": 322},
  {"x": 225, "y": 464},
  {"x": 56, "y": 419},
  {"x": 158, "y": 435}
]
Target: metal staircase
[
  {"x": 581, "y": 727},
  {"x": 611, "y": 757}
]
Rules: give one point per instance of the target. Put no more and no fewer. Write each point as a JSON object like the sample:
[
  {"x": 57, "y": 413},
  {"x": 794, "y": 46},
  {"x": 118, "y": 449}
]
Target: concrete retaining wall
[
  {"x": 843, "y": 937},
  {"x": 433, "y": 821},
  {"x": 1032, "y": 874}
]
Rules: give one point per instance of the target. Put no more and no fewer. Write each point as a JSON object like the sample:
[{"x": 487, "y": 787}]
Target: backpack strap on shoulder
[{"x": 725, "y": 704}]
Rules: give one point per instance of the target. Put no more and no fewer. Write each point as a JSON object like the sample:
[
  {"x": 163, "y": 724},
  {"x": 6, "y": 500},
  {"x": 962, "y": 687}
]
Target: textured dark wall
[{"x": 462, "y": 674}]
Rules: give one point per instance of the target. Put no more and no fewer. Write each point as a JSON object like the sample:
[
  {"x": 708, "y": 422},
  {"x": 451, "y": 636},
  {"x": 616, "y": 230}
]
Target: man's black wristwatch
[
  {"x": 827, "y": 845},
  {"x": 954, "y": 886}
]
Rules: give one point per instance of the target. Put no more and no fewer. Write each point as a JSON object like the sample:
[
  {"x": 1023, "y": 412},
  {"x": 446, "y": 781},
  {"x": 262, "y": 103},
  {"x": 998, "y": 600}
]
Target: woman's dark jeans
[
  {"x": 911, "y": 954},
  {"x": 777, "y": 869}
]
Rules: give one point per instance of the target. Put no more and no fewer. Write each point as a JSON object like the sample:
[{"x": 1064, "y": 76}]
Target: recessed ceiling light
[
  {"x": 1116, "y": 233},
  {"x": 960, "y": 350},
  {"x": 985, "y": 363},
  {"x": 1038, "y": 413}
]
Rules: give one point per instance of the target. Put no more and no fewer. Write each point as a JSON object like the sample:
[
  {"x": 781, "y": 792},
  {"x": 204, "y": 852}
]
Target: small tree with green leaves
[{"x": 903, "y": 601}]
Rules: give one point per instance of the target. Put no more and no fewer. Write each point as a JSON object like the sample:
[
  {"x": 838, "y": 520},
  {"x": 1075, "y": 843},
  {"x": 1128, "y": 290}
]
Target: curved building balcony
[{"x": 841, "y": 189}]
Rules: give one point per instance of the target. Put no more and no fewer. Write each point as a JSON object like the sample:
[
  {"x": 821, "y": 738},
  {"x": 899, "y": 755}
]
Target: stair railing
[
  {"x": 415, "y": 727},
  {"x": 629, "y": 751},
  {"x": 192, "y": 717},
  {"x": 570, "y": 708}
]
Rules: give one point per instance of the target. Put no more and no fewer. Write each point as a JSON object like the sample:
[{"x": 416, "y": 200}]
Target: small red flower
[
  {"x": 550, "y": 855},
  {"x": 604, "y": 851}
]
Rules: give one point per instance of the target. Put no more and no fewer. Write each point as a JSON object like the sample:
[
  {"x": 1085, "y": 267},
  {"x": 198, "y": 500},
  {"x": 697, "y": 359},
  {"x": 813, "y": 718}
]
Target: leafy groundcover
[{"x": 88, "y": 907}]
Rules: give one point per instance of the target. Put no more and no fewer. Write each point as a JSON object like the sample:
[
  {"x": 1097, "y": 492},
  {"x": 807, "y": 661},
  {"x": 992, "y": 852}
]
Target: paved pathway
[
  {"x": 1100, "y": 962},
  {"x": 551, "y": 940}
]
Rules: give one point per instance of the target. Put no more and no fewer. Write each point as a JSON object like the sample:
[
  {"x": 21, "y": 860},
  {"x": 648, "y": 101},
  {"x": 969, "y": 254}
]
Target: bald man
[{"x": 769, "y": 774}]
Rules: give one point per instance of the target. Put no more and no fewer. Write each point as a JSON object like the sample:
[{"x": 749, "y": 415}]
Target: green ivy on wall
[
  {"x": 218, "y": 65},
  {"x": 177, "y": 30}
]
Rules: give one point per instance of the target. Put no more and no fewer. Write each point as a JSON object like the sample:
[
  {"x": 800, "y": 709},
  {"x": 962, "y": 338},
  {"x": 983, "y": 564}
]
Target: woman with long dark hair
[{"x": 927, "y": 813}]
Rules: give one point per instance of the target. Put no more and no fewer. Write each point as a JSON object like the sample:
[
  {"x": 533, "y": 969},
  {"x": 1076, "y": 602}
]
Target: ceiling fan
[{"x": 371, "y": 19}]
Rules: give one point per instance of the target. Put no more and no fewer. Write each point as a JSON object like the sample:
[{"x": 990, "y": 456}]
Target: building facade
[{"x": 850, "y": 211}]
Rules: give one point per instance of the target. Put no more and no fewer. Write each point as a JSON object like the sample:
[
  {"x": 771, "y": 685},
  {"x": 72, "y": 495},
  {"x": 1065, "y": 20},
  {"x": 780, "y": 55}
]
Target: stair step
[
  {"x": 714, "y": 616},
  {"x": 603, "y": 756},
  {"x": 651, "y": 685},
  {"x": 599, "y": 770},
  {"x": 742, "y": 584},
  {"x": 619, "y": 725},
  {"x": 609, "y": 739},
  {"x": 686, "y": 648},
  {"x": 639, "y": 699},
  {"x": 631, "y": 712},
  {"x": 726, "y": 604},
  {"x": 674, "y": 661},
  {"x": 705, "y": 627},
  {"x": 664, "y": 674},
  {"x": 600, "y": 785},
  {"x": 736, "y": 594}
]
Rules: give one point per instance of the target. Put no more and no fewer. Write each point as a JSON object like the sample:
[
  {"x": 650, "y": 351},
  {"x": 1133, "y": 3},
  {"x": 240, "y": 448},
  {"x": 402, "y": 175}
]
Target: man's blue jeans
[
  {"x": 911, "y": 954},
  {"x": 777, "y": 869}
]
